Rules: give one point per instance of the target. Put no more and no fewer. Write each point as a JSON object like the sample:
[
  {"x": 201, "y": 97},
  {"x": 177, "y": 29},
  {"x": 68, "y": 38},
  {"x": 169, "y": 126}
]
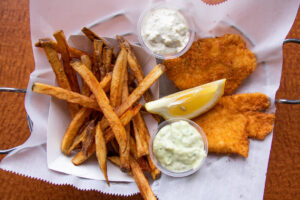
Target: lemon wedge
[{"x": 188, "y": 103}]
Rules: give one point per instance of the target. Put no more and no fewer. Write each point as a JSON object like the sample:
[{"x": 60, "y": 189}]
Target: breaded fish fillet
[
  {"x": 259, "y": 124},
  {"x": 235, "y": 118},
  {"x": 212, "y": 59}
]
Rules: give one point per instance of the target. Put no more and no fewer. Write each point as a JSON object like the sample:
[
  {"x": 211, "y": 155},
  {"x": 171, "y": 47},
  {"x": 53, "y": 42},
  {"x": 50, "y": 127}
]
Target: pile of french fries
[{"x": 105, "y": 108}]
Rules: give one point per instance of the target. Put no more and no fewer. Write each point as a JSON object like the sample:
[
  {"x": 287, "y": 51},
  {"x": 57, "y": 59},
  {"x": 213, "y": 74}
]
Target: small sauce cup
[
  {"x": 188, "y": 19},
  {"x": 160, "y": 166}
]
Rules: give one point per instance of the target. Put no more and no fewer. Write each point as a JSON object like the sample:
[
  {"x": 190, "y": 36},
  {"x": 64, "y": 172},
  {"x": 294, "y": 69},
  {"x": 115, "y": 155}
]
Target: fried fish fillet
[
  {"x": 212, "y": 59},
  {"x": 259, "y": 124},
  {"x": 235, "y": 118}
]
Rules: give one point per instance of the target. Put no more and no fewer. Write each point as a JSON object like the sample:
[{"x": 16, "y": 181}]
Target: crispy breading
[
  {"x": 225, "y": 129},
  {"x": 235, "y": 118},
  {"x": 212, "y": 59},
  {"x": 248, "y": 102},
  {"x": 259, "y": 124}
]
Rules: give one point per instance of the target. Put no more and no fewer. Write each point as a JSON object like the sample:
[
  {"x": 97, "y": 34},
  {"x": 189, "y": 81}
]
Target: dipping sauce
[
  {"x": 165, "y": 31},
  {"x": 179, "y": 147}
]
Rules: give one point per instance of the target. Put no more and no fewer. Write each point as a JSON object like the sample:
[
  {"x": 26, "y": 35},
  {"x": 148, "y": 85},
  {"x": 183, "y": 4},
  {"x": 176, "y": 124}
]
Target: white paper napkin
[{"x": 263, "y": 24}]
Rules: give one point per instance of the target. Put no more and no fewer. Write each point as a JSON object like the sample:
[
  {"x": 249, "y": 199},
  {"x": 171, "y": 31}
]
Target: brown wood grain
[{"x": 16, "y": 63}]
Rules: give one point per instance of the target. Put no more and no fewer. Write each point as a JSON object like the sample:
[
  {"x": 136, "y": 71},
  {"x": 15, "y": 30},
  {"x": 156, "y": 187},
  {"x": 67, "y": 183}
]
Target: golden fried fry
[
  {"x": 60, "y": 75},
  {"x": 98, "y": 72},
  {"x": 143, "y": 86},
  {"x": 85, "y": 90},
  {"x": 143, "y": 163},
  {"x": 107, "y": 58},
  {"x": 112, "y": 118},
  {"x": 125, "y": 156},
  {"x": 90, "y": 137},
  {"x": 140, "y": 137},
  {"x": 78, "y": 139},
  {"x": 62, "y": 45},
  {"x": 67, "y": 95},
  {"x": 155, "y": 173},
  {"x": 108, "y": 134},
  {"x": 135, "y": 66},
  {"x": 133, "y": 150},
  {"x": 81, "y": 157},
  {"x": 117, "y": 79},
  {"x": 125, "y": 119},
  {"x": 72, "y": 96},
  {"x": 106, "y": 81},
  {"x": 93, "y": 36},
  {"x": 136, "y": 94},
  {"x": 101, "y": 151},
  {"x": 115, "y": 160},
  {"x": 80, "y": 118},
  {"x": 141, "y": 180},
  {"x": 74, "y": 53}
]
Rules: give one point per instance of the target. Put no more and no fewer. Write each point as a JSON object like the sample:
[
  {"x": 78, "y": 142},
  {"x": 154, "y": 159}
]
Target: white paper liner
[{"x": 265, "y": 23}]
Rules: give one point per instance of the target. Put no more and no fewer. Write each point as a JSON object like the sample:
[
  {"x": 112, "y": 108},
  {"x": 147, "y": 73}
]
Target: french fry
[
  {"x": 143, "y": 127},
  {"x": 131, "y": 78},
  {"x": 141, "y": 180},
  {"x": 125, "y": 119},
  {"x": 85, "y": 131},
  {"x": 141, "y": 143},
  {"x": 60, "y": 75},
  {"x": 67, "y": 95},
  {"x": 133, "y": 150},
  {"x": 109, "y": 113},
  {"x": 136, "y": 69},
  {"x": 117, "y": 79},
  {"x": 74, "y": 53},
  {"x": 143, "y": 163},
  {"x": 78, "y": 139},
  {"x": 108, "y": 134},
  {"x": 80, "y": 157},
  {"x": 125, "y": 156},
  {"x": 115, "y": 145},
  {"x": 135, "y": 66},
  {"x": 85, "y": 90},
  {"x": 143, "y": 86},
  {"x": 65, "y": 55},
  {"x": 107, "y": 58},
  {"x": 125, "y": 91},
  {"x": 155, "y": 173},
  {"x": 98, "y": 45},
  {"x": 90, "y": 137},
  {"x": 93, "y": 36},
  {"x": 106, "y": 81},
  {"x": 80, "y": 118},
  {"x": 101, "y": 151},
  {"x": 157, "y": 71},
  {"x": 115, "y": 160},
  {"x": 73, "y": 97}
]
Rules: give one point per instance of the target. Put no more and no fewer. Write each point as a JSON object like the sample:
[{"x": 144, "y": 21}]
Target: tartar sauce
[
  {"x": 179, "y": 147},
  {"x": 165, "y": 31}
]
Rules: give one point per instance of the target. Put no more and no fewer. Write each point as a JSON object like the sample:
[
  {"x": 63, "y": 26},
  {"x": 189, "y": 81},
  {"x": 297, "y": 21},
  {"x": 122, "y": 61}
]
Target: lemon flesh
[{"x": 188, "y": 103}]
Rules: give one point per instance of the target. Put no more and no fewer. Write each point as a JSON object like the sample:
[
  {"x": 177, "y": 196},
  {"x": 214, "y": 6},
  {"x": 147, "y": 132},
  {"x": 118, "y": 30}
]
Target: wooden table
[{"x": 16, "y": 61}]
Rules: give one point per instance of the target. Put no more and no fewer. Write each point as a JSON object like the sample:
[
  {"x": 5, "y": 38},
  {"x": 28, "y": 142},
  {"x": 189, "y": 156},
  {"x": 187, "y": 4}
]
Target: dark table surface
[{"x": 16, "y": 63}]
